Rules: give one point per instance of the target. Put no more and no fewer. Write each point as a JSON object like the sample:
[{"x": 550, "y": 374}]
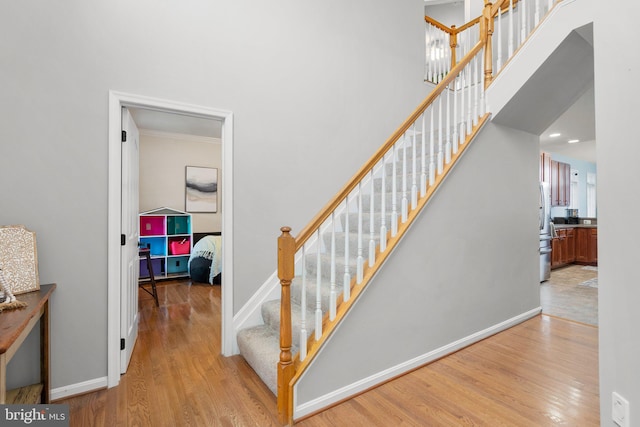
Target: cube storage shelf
[{"x": 167, "y": 232}]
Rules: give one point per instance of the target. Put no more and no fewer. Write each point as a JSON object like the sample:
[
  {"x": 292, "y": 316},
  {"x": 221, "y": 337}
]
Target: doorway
[{"x": 117, "y": 101}]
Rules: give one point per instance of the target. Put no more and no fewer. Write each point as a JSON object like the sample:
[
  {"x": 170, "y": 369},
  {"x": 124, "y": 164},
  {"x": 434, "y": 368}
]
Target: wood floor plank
[{"x": 543, "y": 372}]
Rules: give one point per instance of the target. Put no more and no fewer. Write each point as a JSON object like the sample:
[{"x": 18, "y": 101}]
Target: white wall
[
  {"x": 448, "y": 14},
  {"x": 315, "y": 88},
  {"x": 469, "y": 262},
  {"x": 618, "y": 151},
  {"x": 163, "y": 158}
]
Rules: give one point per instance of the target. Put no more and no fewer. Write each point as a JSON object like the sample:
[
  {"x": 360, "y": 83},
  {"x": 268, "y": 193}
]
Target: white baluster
[
  {"x": 511, "y": 36},
  {"x": 499, "y": 61},
  {"x": 394, "y": 194},
  {"x": 360, "y": 260},
  {"x": 318, "y": 289},
  {"x": 482, "y": 100},
  {"x": 536, "y": 16},
  {"x": 550, "y": 5},
  {"x": 405, "y": 200},
  {"x": 469, "y": 101},
  {"x": 475, "y": 96},
  {"x": 383, "y": 208},
  {"x": 303, "y": 304},
  {"x": 432, "y": 158},
  {"x": 447, "y": 148},
  {"x": 523, "y": 24},
  {"x": 440, "y": 153},
  {"x": 454, "y": 146},
  {"x": 372, "y": 230},
  {"x": 463, "y": 81},
  {"x": 414, "y": 168},
  {"x": 423, "y": 156},
  {"x": 429, "y": 53},
  {"x": 346, "y": 291},
  {"x": 333, "y": 294}
]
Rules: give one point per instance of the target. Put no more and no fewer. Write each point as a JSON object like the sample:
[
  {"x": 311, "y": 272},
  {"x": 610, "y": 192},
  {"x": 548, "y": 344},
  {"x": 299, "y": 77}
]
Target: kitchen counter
[{"x": 566, "y": 226}]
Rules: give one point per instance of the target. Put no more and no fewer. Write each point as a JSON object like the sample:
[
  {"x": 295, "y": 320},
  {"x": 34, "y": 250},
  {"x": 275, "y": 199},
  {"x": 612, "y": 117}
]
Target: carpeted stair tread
[
  {"x": 260, "y": 346},
  {"x": 271, "y": 317}
]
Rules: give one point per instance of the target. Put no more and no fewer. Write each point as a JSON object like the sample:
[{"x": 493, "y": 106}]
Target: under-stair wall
[{"x": 468, "y": 268}]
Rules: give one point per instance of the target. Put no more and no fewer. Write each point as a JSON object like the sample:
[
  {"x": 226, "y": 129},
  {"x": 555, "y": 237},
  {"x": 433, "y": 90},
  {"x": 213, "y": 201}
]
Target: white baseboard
[
  {"x": 78, "y": 388},
  {"x": 350, "y": 390}
]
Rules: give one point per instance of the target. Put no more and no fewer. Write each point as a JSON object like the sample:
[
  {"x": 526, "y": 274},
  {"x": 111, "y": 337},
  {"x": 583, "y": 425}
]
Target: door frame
[{"x": 117, "y": 100}]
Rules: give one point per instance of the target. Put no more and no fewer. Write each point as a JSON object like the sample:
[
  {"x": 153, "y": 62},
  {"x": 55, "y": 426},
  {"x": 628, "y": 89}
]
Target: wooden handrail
[
  {"x": 503, "y": 5},
  {"x": 468, "y": 25},
  {"x": 328, "y": 327},
  {"x": 438, "y": 24},
  {"x": 288, "y": 371},
  {"x": 333, "y": 204}
]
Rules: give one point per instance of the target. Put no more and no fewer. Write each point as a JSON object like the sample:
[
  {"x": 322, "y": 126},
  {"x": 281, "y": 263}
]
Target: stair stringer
[{"x": 369, "y": 347}]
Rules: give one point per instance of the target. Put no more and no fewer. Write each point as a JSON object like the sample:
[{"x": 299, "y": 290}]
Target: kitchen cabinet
[
  {"x": 587, "y": 246},
  {"x": 570, "y": 253},
  {"x": 559, "y": 249},
  {"x": 560, "y": 183},
  {"x": 593, "y": 246},
  {"x": 582, "y": 245},
  {"x": 545, "y": 167},
  {"x": 575, "y": 245}
]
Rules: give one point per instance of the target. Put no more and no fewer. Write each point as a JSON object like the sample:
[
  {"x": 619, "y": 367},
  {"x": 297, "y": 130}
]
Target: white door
[{"x": 129, "y": 265}]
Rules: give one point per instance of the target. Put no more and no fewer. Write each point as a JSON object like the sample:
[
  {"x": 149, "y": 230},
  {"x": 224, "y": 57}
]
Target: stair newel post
[
  {"x": 286, "y": 271},
  {"x": 488, "y": 47},
  {"x": 453, "y": 43}
]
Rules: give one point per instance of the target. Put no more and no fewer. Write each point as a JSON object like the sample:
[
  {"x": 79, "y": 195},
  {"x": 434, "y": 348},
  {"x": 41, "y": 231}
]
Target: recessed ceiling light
[
  {"x": 573, "y": 141},
  {"x": 554, "y": 135}
]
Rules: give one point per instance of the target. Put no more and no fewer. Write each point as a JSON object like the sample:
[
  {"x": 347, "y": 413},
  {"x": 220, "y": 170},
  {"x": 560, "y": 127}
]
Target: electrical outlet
[{"x": 620, "y": 410}]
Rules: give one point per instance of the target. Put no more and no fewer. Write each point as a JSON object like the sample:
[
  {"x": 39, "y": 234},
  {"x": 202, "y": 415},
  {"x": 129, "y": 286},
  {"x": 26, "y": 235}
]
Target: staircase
[
  {"x": 260, "y": 345},
  {"x": 327, "y": 266}
]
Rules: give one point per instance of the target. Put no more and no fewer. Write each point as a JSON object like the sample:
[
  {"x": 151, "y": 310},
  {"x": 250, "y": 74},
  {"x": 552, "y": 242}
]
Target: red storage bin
[{"x": 179, "y": 247}]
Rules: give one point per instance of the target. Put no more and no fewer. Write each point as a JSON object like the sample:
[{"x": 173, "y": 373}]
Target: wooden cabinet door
[
  {"x": 555, "y": 252},
  {"x": 582, "y": 245},
  {"x": 555, "y": 197},
  {"x": 545, "y": 167},
  {"x": 571, "y": 245},
  {"x": 593, "y": 245}
]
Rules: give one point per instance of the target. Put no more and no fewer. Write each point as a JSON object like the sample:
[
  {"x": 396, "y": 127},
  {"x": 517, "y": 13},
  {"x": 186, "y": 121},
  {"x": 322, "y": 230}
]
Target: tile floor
[{"x": 572, "y": 293}]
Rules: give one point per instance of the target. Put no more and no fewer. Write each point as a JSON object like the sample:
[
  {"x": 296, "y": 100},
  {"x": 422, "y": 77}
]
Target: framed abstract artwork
[{"x": 201, "y": 189}]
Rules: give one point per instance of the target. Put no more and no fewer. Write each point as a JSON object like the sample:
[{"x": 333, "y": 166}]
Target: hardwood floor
[
  {"x": 572, "y": 293},
  {"x": 542, "y": 372}
]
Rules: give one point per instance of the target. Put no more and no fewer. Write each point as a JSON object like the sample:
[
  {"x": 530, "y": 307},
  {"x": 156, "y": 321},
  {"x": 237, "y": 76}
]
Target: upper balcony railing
[{"x": 507, "y": 24}]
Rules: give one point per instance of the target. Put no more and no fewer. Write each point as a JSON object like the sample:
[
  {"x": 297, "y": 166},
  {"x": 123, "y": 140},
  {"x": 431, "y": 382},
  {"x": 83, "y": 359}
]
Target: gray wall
[
  {"x": 617, "y": 108},
  {"x": 327, "y": 81},
  {"x": 468, "y": 263}
]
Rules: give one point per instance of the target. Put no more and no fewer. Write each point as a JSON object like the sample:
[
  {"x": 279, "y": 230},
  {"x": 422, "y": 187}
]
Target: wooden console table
[{"x": 15, "y": 325}]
